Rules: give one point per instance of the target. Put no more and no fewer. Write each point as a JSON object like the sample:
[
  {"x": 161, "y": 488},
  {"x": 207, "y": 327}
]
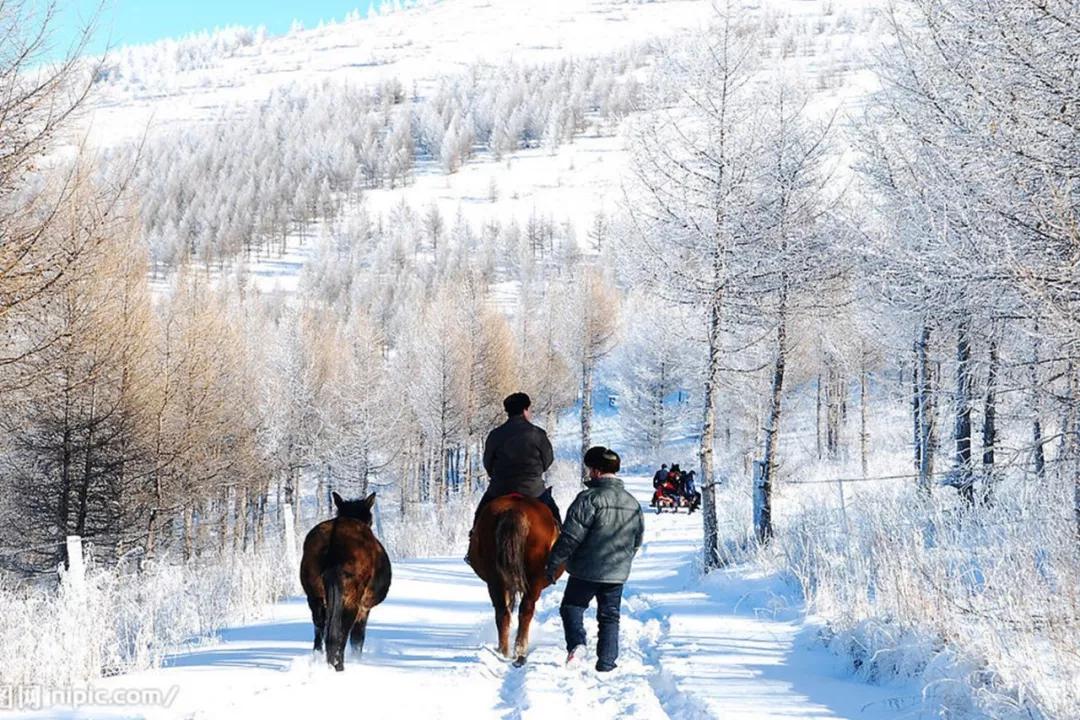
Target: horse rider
[{"x": 516, "y": 455}]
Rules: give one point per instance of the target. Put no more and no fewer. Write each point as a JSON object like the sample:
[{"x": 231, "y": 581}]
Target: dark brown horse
[
  {"x": 345, "y": 572},
  {"x": 509, "y": 551}
]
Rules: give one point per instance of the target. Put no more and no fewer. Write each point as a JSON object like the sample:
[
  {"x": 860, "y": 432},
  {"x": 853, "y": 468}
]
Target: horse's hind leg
[
  {"x": 525, "y": 617},
  {"x": 318, "y": 619},
  {"x": 359, "y": 631},
  {"x": 501, "y": 602}
]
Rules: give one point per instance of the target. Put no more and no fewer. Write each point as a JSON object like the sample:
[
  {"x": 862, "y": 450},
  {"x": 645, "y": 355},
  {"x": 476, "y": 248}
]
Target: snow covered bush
[
  {"x": 124, "y": 621},
  {"x": 981, "y": 604},
  {"x": 155, "y": 66}
]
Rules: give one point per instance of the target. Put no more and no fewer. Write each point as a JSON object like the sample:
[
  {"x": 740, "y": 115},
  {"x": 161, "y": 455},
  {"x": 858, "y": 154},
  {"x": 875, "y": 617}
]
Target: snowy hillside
[
  {"x": 174, "y": 87},
  {"x": 416, "y": 46}
]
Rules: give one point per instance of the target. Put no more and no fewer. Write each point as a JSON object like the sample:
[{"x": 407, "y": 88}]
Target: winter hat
[
  {"x": 603, "y": 459},
  {"x": 516, "y": 404}
]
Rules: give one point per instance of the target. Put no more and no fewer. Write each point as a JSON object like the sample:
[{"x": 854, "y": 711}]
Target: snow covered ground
[{"x": 735, "y": 645}]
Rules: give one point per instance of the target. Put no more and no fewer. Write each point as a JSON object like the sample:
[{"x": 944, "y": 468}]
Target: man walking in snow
[{"x": 602, "y": 532}]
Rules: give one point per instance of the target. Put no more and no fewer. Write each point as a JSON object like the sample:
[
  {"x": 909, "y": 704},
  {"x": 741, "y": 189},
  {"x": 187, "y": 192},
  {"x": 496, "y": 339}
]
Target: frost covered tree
[
  {"x": 206, "y": 414},
  {"x": 547, "y": 373},
  {"x": 795, "y": 253},
  {"x": 438, "y": 372},
  {"x": 591, "y": 317},
  {"x": 694, "y": 164},
  {"x": 653, "y": 365},
  {"x": 975, "y": 178},
  {"x": 361, "y": 409},
  {"x": 38, "y": 102},
  {"x": 77, "y": 413}
]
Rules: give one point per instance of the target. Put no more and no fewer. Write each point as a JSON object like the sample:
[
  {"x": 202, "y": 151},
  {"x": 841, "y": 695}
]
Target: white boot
[{"x": 576, "y": 655}]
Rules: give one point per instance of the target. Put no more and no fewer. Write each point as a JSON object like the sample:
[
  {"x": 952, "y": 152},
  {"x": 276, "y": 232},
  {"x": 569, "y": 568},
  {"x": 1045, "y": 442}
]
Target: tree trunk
[
  {"x": 989, "y": 428},
  {"x": 708, "y": 432},
  {"x": 657, "y": 440},
  {"x": 403, "y": 491},
  {"x": 925, "y": 413},
  {"x": 834, "y": 403},
  {"x": 962, "y": 427},
  {"x": 1070, "y": 427},
  {"x": 916, "y": 409},
  {"x": 772, "y": 427},
  {"x": 468, "y": 462},
  {"x": 864, "y": 435},
  {"x": 817, "y": 416},
  {"x": 88, "y": 466},
  {"x": 321, "y": 493},
  {"x": 63, "y": 508},
  {"x": 298, "y": 499},
  {"x": 290, "y": 486},
  {"x": 586, "y": 408},
  {"x": 260, "y": 517},
  {"x": 1036, "y": 409},
  {"x": 240, "y": 521},
  {"x": 224, "y": 505},
  {"x": 189, "y": 531}
]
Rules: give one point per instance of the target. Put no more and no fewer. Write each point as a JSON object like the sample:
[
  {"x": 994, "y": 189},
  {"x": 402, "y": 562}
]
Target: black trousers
[
  {"x": 544, "y": 497},
  {"x": 577, "y": 596}
]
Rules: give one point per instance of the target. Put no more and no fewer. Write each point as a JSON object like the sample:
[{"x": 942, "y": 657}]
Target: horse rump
[
  {"x": 344, "y": 572},
  {"x": 511, "y": 535}
]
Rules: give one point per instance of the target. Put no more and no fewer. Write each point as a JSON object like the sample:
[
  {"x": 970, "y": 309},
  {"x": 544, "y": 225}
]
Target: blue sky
[{"x": 128, "y": 22}]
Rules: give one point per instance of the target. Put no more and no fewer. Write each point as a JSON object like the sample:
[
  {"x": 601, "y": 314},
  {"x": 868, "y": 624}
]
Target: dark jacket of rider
[{"x": 516, "y": 454}]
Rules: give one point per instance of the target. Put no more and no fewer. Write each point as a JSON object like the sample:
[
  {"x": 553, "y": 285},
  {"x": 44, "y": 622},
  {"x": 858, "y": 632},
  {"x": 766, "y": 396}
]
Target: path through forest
[{"x": 735, "y": 645}]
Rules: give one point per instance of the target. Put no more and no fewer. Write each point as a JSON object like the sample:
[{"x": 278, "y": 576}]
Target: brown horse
[
  {"x": 509, "y": 551},
  {"x": 345, "y": 572}
]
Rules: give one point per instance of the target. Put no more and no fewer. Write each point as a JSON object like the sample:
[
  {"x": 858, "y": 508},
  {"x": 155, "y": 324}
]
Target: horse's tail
[
  {"x": 511, "y": 532},
  {"x": 335, "y": 609}
]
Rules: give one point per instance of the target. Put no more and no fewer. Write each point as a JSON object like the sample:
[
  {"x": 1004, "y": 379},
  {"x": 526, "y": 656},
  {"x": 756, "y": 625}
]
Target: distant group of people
[{"x": 673, "y": 485}]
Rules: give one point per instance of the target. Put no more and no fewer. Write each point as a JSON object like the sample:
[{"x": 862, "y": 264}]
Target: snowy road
[{"x": 733, "y": 646}]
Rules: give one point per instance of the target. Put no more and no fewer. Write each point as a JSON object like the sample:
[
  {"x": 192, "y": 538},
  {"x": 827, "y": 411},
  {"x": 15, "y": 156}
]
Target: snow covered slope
[
  {"x": 153, "y": 90},
  {"x": 414, "y": 46},
  {"x": 735, "y": 646}
]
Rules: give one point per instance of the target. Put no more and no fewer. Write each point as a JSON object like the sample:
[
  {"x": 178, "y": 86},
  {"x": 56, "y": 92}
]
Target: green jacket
[{"x": 601, "y": 534}]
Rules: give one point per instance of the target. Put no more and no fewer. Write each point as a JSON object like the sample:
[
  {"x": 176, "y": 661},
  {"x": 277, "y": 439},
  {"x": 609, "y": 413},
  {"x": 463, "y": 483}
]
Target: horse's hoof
[
  {"x": 520, "y": 662},
  {"x": 339, "y": 666}
]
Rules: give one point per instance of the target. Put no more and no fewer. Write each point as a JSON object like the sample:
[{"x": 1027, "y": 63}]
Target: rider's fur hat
[{"x": 603, "y": 459}]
